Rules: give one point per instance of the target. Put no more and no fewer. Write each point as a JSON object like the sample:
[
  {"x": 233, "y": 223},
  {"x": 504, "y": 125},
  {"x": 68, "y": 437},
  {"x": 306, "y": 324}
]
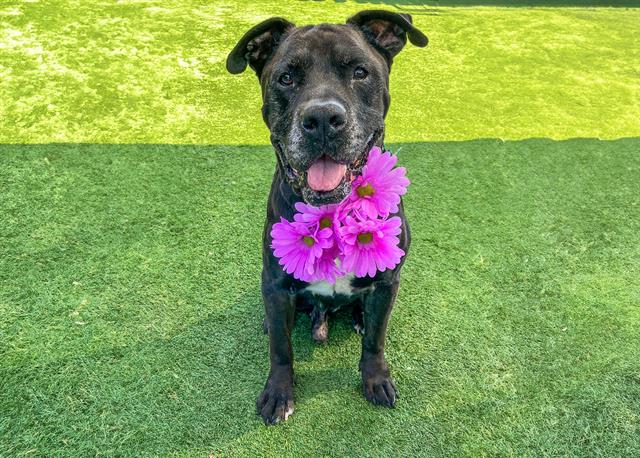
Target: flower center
[
  {"x": 325, "y": 222},
  {"x": 366, "y": 190},
  {"x": 308, "y": 241},
  {"x": 365, "y": 237}
]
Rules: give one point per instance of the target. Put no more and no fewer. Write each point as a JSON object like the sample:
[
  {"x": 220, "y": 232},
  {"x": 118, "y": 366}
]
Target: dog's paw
[
  {"x": 320, "y": 332},
  {"x": 378, "y": 386},
  {"x": 275, "y": 403},
  {"x": 319, "y": 324}
]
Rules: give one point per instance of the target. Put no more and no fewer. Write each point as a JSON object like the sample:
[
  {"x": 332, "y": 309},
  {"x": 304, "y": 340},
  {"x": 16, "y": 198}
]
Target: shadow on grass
[{"x": 131, "y": 314}]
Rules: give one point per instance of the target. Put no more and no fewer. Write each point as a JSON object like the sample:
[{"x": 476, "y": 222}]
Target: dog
[{"x": 325, "y": 92}]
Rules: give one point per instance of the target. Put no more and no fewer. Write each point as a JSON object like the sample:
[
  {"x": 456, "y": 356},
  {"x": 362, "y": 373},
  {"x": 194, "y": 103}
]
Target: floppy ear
[
  {"x": 257, "y": 45},
  {"x": 387, "y": 31}
]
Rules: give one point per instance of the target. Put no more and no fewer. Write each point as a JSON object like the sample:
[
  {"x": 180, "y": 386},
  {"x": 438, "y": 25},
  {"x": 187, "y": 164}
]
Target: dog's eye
[
  {"x": 286, "y": 79},
  {"x": 360, "y": 73}
]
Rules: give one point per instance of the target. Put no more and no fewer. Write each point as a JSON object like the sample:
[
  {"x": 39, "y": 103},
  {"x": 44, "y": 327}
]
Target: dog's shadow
[
  {"x": 215, "y": 368},
  {"x": 309, "y": 380},
  {"x": 334, "y": 374},
  {"x": 340, "y": 330}
]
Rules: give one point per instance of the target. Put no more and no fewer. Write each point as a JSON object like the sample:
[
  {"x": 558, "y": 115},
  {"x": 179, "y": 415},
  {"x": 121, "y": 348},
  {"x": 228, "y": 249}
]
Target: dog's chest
[{"x": 342, "y": 286}]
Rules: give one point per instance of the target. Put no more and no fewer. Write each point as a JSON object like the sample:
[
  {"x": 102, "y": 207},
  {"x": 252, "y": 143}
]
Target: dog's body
[
  {"x": 325, "y": 93},
  {"x": 319, "y": 297}
]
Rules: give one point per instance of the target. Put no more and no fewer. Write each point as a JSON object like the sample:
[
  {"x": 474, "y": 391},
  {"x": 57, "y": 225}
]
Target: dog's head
[{"x": 325, "y": 92}]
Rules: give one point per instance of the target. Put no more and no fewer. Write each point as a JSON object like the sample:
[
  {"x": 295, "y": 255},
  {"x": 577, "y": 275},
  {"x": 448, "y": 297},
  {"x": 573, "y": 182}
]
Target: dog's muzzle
[{"x": 325, "y": 181}]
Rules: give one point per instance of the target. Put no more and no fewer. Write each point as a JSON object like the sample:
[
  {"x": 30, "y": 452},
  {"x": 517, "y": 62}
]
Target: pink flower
[
  {"x": 377, "y": 191},
  {"x": 326, "y": 267},
  {"x": 299, "y": 246},
  {"x": 323, "y": 215},
  {"x": 370, "y": 245},
  {"x": 356, "y": 232},
  {"x": 322, "y": 218}
]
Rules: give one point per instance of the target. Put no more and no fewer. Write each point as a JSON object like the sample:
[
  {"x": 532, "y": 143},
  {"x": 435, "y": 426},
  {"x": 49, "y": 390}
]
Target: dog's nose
[{"x": 325, "y": 119}]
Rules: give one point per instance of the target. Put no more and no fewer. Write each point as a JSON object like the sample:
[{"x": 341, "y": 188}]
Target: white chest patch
[{"x": 341, "y": 286}]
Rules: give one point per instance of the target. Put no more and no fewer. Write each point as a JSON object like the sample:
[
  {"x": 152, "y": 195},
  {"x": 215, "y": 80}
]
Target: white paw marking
[{"x": 288, "y": 412}]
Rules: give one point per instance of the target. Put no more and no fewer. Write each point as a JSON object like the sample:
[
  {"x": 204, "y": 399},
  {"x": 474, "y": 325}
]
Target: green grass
[
  {"x": 130, "y": 313},
  {"x": 153, "y": 72}
]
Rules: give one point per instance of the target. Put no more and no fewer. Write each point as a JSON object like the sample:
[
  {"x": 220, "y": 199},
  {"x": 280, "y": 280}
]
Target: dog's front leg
[
  {"x": 275, "y": 403},
  {"x": 377, "y": 384}
]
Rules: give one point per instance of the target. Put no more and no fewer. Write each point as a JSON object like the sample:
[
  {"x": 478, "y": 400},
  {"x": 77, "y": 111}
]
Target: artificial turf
[{"x": 130, "y": 312}]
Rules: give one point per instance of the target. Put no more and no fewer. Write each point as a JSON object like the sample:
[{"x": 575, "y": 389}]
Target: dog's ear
[
  {"x": 387, "y": 31},
  {"x": 257, "y": 45}
]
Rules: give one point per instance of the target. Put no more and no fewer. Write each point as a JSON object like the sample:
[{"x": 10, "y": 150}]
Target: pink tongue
[{"x": 325, "y": 174}]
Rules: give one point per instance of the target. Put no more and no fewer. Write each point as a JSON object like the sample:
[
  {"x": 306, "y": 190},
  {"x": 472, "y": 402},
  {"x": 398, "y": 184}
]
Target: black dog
[{"x": 325, "y": 90}]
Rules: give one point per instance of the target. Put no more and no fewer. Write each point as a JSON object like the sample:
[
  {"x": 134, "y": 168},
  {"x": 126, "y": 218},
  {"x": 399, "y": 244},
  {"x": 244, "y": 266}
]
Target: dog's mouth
[{"x": 328, "y": 181}]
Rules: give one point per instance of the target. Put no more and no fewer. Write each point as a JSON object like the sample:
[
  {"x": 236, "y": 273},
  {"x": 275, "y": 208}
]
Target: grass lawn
[{"x": 133, "y": 182}]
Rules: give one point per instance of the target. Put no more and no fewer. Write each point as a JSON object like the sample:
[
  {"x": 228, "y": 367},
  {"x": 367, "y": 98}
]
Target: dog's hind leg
[{"x": 320, "y": 323}]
